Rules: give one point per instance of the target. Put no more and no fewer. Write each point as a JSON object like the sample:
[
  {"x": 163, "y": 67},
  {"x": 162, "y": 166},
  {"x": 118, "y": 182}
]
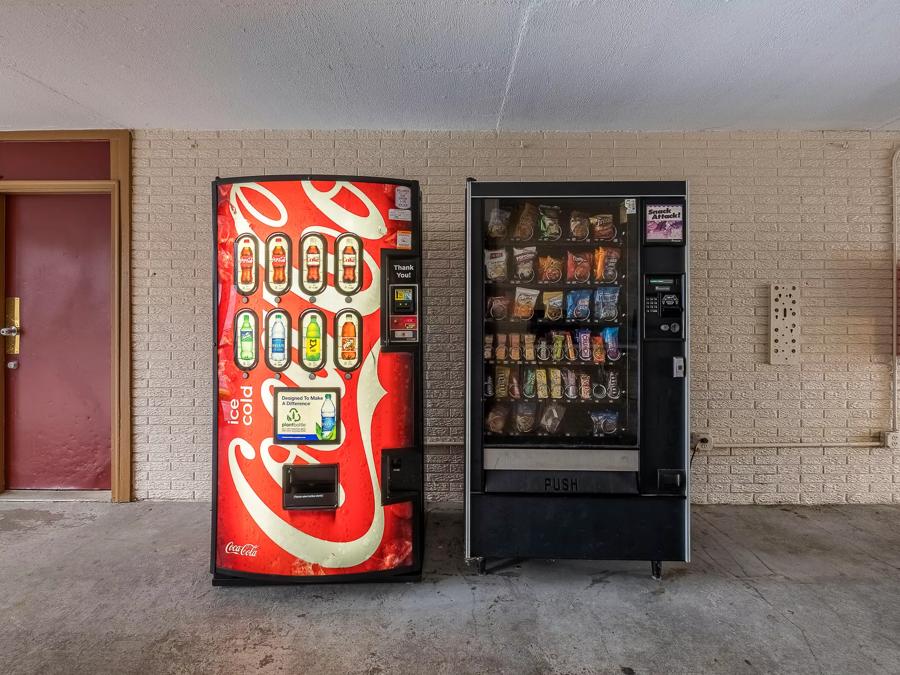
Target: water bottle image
[
  {"x": 329, "y": 420},
  {"x": 278, "y": 351}
]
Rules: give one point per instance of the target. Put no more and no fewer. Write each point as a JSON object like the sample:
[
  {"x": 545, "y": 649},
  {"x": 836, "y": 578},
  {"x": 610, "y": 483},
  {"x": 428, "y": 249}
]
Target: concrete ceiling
[{"x": 451, "y": 64}]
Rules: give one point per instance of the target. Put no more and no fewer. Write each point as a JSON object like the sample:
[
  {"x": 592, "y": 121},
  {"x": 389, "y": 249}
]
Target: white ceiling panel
[{"x": 455, "y": 64}]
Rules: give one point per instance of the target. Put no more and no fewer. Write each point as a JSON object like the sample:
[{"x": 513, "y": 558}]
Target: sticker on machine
[{"x": 308, "y": 415}]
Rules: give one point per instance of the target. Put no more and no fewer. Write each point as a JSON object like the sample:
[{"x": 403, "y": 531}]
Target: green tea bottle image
[
  {"x": 245, "y": 340},
  {"x": 312, "y": 342}
]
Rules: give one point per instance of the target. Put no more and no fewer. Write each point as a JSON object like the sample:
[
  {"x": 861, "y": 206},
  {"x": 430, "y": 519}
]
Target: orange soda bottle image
[{"x": 349, "y": 346}]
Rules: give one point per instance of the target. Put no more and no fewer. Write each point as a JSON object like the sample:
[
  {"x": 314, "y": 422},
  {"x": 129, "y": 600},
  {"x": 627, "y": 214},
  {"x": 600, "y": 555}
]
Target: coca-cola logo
[
  {"x": 247, "y": 550},
  {"x": 247, "y": 259},
  {"x": 279, "y": 258}
]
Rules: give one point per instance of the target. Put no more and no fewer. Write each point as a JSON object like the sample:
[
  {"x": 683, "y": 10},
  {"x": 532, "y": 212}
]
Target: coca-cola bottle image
[
  {"x": 279, "y": 263},
  {"x": 313, "y": 264},
  {"x": 247, "y": 265},
  {"x": 348, "y": 342},
  {"x": 348, "y": 264}
]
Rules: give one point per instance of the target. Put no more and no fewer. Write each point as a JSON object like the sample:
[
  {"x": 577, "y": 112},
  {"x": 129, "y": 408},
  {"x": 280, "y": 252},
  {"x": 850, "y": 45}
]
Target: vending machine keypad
[{"x": 663, "y": 307}]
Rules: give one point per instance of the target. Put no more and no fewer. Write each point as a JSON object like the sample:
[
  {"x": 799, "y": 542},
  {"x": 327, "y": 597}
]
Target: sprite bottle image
[
  {"x": 329, "y": 421},
  {"x": 312, "y": 341},
  {"x": 245, "y": 341}
]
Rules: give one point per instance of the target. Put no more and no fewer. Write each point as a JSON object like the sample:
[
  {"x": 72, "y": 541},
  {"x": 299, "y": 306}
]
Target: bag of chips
[
  {"x": 498, "y": 223},
  {"x": 604, "y": 421},
  {"x": 578, "y": 266},
  {"x": 552, "y": 416},
  {"x": 603, "y": 226},
  {"x": 578, "y": 304},
  {"x": 553, "y": 305},
  {"x": 550, "y": 228},
  {"x": 526, "y": 221},
  {"x": 496, "y": 418},
  {"x": 526, "y": 300},
  {"x": 550, "y": 269},
  {"x": 606, "y": 264},
  {"x": 529, "y": 388},
  {"x": 526, "y": 416},
  {"x": 570, "y": 383},
  {"x": 579, "y": 226},
  {"x": 524, "y": 258},
  {"x": 606, "y": 303},
  {"x": 495, "y": 264}
]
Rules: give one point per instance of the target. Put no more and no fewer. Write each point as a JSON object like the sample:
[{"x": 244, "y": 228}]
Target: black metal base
[
  {"x": 221, "y": 579},
  {"x": 578, "y": 526}
]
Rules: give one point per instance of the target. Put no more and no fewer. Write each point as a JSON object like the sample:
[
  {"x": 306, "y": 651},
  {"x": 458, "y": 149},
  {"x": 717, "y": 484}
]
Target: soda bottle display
[
  {"x": 313, "y": 264},
  {"x": 349, "y": 346},
  {"x": 348, "y": 263},
  {"x": 329, "y": 419},
  {"x": 312, "y": 342},
  {"x": 247, "y": 265},
  {"x": 279, "y": 263},
  {"x": 278, "y": 341},
  {"x": 246, "y": 341}
]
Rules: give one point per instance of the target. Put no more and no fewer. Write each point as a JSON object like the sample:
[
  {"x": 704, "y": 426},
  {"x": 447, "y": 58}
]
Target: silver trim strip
[
  {"x": 561, "y": 459},
  {"x": 686, "y": 382}
]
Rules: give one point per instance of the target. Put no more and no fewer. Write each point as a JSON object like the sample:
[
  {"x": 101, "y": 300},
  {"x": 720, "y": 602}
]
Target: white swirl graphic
[
  {"x": 237, "y": 192},
  {"x": 369, "y": 226}
]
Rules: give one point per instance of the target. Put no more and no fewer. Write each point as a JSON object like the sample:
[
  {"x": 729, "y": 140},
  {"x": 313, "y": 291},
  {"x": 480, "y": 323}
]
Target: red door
[{"x": 58, "y": 396}]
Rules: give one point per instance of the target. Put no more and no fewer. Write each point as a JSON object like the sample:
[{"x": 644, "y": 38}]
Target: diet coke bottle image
[
  {"x": 278, "y": 254},
  {"x": 348, "y": 263},
  {"x": 312, "y": 251}
]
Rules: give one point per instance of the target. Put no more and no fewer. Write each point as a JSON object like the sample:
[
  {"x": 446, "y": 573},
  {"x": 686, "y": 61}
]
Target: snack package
[
  {"x": 579, "y": 226},
  {"x": 515, "y": 389},
  {"x": 495, "y": 264},
  {"x": 496, "y": 418},
  {"x": 578, "y": 266},
  {"x": 604, "y": 421},
  {"x": 529, "y": 388},
  {"x": 502, "y": 373},
  {"x": 526, "y": 417},
  {"x": 606, "y": 303},
  {"x": 583, "y": 338},
  {"x": 559, "y": 345},
  {"x": 489, "y": 386},
  {"x": 612, "y": 384},
  {"x": 598, "y": 349},
  {"x": 548, "y": 224},
  {"x": 571, "y": 354},
  {"x": 515, "y": 350},
  {"x": 550, "y": 269},
  {"x": 498, "y": 307},
  {"x": 603, "y": 226},
  {"x": 552, "y": 416},
  {"x": 524, "y": 258},
  {"x": 570, "y": 383},
  {"x": 556, "y": 386},
  {"x": 543, "y": 391},
  {"x": 488, "y": 346},
  {"x": 500, "y": 352},
  {"x": 611, "y": 340},
  {"x": 606, "y": 264},
  {"x": 498, "y": 223},
  {"x": 543, "y": 350},
  {"x": 599, "y": 262},
  {"x": 526, "y": 299},
  {"x": 578, "y": 304},
  {"x": 526, "y": 221},
  {"x": 584, "y": 387},
  {"x": 529, "y": 347},
  {"x": 553, "y": 305}
]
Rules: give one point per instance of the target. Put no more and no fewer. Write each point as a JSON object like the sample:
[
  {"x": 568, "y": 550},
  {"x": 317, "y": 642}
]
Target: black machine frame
[
  {"x": 610, "y": 514},
  {"x": 413, "y": 572}
]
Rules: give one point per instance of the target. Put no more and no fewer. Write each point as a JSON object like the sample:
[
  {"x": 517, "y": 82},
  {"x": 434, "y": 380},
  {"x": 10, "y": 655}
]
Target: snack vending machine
[
  {"x": 317, "y": 438},
  {"x": 577, "y": 390}
]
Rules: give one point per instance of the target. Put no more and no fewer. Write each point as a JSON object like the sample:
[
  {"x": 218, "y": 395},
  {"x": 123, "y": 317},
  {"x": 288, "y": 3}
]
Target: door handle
[
  {"x": 677, "y": 366},
  {"x": 9, "y": 331}
]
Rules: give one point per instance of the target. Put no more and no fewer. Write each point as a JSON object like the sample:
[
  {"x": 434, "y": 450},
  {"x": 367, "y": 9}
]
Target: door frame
[{"x": 118, "y": 187}]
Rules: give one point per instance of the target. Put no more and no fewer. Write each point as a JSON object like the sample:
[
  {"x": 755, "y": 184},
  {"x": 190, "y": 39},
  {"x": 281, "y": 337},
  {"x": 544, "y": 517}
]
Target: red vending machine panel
[{"x": 318, "y": 397}]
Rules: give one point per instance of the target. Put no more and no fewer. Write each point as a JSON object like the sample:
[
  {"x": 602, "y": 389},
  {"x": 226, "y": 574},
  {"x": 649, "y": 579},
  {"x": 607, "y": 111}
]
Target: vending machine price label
[{"x": 308, "y": 416}]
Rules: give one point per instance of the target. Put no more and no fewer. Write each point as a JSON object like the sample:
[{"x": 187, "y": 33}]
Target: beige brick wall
[{"x": 806, "y": 207}]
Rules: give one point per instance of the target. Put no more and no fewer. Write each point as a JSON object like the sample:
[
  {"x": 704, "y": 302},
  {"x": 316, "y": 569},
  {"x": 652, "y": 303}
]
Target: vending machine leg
[
  {"x": 480, "y": 565},
  {"x": 656, "y": 569}
]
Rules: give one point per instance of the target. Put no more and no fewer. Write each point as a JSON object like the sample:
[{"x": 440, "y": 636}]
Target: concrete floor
[{"x": 100, "y": 588}]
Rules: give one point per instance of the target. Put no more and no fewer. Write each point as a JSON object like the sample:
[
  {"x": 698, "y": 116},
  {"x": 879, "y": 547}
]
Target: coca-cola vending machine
[{"x": 317, "y": 438}]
